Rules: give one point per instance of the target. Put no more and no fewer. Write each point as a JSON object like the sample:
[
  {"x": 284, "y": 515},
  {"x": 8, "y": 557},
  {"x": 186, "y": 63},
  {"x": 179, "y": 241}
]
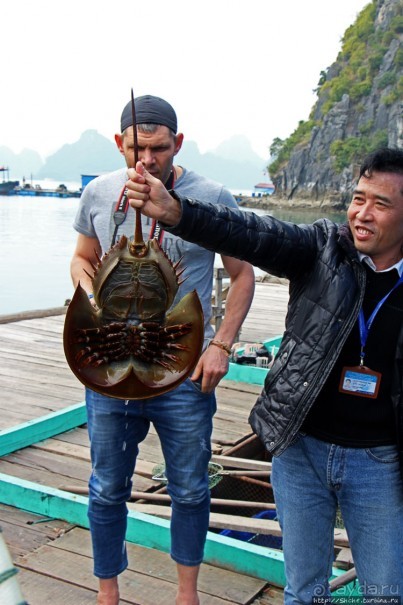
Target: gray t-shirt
[{"x": 95, "y": 219}]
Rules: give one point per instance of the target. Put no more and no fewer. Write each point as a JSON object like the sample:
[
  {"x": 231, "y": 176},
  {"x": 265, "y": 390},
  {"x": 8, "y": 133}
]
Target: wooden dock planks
[
  {"x": 150, "y": 578},
  {"x": 35, "y": 378}
]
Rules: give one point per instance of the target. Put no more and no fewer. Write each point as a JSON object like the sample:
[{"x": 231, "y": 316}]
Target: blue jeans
[
  {"x": 309, "y": 480},
  {"x": 183, "y": 421}
]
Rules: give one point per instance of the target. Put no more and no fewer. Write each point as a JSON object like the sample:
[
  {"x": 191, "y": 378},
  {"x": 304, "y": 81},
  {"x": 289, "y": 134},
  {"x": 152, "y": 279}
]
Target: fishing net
[{"x": 214, "y": 474}]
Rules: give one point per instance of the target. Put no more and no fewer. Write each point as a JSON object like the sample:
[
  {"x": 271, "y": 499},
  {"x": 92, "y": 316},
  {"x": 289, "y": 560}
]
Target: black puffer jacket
[{"x": 327, "y": 284}]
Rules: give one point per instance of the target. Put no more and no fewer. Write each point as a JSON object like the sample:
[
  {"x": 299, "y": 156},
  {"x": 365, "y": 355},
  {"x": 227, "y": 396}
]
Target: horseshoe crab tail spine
[
  {"x": 136, "y": 145},
  {"x": 138, "y": 248}
]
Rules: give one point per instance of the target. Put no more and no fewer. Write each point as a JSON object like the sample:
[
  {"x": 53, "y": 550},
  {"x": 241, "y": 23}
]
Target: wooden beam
[
  {"x": 245, "y": 463},
  {"x": 156, "y": 497},
  {"x": 27, "y": 433},
  {"x": 236, "y": 522},
  {"x": 6, "y": 319},
  {"x": 250, "y": 525}
]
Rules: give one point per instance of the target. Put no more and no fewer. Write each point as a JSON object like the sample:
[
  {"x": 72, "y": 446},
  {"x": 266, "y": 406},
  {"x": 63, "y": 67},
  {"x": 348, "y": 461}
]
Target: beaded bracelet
[{"x": 221, "y": 345}]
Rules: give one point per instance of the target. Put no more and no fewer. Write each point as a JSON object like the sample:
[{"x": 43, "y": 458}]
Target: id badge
[{"x": 360, "y": 381}]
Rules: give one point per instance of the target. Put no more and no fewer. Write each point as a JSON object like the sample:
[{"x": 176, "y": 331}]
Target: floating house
[{"x": 264, "y": 189}]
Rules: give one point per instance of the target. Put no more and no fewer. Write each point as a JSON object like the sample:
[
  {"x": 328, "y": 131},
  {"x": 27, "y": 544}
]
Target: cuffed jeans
[
  {"x": 183, "y": 421},
  {"x": 309, "y": 480}
]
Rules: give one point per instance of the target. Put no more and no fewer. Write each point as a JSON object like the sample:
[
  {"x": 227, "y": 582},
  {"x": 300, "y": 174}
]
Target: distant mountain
[
  {"x": 91, "y": 154},
  {"x": 238, "y": 149},
  {"x": 233, "y": 162},
  {"x": 20, "y": 164}
]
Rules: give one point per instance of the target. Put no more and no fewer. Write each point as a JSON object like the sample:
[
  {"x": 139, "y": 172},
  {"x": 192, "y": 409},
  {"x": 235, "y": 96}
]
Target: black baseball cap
[{"x": 149, "y": 110}]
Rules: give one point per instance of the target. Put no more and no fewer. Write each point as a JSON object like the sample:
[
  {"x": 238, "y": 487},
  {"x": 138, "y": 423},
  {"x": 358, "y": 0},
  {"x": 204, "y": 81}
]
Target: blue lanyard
[{"x": 366, "y": 326}]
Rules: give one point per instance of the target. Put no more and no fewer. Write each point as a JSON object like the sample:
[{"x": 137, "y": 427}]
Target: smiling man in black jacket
[{"x": 331, "y": 411}]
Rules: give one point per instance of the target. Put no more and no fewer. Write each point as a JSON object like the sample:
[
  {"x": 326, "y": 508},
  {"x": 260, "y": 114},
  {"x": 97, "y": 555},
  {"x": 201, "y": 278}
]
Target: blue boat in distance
[
  {"x": 37, "y": 190},
  {"x": 8, "y": 187}
]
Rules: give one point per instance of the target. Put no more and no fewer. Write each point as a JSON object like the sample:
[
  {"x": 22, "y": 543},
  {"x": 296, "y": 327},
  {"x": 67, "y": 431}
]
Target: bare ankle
[
  {"x": 107, "y": 599},
  {"x": 108, "y": 592},
  {"x": 184, "y": 599},
  {"x": 187, "y": 585}
]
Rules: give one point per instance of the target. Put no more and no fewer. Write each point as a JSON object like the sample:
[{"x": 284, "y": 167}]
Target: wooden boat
[
  {"x": 45, "y": 441},
  {"x": 149, "y": 530}
]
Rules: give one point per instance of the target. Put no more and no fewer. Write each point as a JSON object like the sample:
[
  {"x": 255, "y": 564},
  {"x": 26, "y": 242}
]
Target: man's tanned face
[{"x": 375, "y": 217}]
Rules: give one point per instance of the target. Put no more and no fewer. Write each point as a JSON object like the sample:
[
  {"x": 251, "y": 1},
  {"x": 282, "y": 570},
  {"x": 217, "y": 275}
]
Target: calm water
[{"x": 36, "y": 244}]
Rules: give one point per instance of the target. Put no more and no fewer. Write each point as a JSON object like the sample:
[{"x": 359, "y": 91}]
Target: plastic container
[{"x": 260, "y": 539}]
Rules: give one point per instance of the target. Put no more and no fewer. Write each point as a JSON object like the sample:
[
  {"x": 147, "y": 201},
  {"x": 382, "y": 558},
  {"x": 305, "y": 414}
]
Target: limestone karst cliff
[{"x": 359, "y": 108}]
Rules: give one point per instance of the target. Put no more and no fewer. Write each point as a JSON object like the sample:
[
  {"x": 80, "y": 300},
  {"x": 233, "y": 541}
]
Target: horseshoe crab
[
  {"x": 134, "y": 346},
  {"x": 131, "y": 347}
]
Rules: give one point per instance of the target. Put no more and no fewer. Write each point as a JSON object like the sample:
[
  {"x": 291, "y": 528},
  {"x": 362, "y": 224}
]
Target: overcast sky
[{"x": 228, "y": 67}]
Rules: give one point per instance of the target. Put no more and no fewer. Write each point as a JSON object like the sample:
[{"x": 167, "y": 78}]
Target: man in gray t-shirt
[{"x": 182, "y": 417}]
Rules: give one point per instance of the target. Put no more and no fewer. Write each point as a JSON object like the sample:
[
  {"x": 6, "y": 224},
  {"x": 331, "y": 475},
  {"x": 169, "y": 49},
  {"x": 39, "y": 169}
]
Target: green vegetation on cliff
[
  {"x": 358, "y": 72},
  {"x": 282, "y": 149}
]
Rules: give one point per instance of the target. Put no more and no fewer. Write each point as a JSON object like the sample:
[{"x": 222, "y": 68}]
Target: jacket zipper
[{"x": 326, "y": 367}]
